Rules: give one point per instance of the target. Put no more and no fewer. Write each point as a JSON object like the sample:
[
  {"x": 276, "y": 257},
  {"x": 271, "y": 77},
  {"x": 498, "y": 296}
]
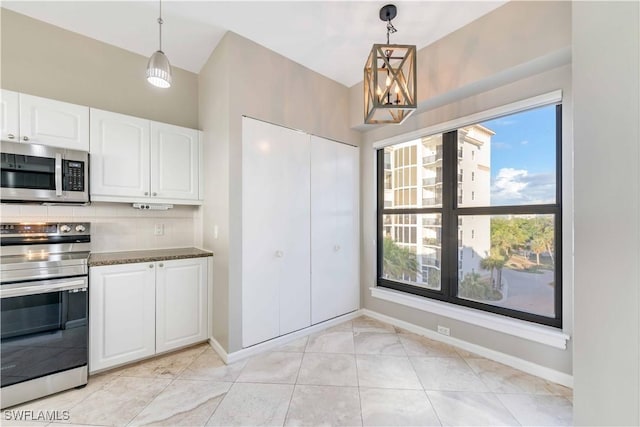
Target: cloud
[
  {"x": 525, "y": 142},
  {"x": 519, "y": 187},
  {"x": 506, "y": 122},
  {"x": 500, "y": 145}
]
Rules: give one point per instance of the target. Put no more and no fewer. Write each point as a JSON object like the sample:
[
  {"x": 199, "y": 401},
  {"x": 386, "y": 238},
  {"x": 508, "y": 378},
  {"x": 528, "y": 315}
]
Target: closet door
[
  {"x": 275, "y": 231},
  {"x": 334, "y": 229}
]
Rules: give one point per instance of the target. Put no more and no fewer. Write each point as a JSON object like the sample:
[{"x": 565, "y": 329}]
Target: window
[{"x": 509, "y": 225}]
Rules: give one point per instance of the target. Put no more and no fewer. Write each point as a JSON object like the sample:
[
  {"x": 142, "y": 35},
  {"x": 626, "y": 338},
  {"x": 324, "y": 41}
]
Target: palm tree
[
  {"x": 494, "y": 261},
  {"x": 397, "y": 261},
  {"x": 538, "y": 245}
]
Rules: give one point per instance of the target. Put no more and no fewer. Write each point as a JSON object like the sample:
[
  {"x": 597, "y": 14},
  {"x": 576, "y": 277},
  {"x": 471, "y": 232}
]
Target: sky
[{"x": 523, "y": 157}]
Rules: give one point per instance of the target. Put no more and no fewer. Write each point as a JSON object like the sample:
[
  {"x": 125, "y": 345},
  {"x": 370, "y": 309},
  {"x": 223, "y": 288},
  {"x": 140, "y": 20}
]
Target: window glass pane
[
  {"x": 508, "y": 261},
  {"x": 512, "y": 159},
  {"x": 414, "y": 255},
  {"x": 416, "y": 168}
]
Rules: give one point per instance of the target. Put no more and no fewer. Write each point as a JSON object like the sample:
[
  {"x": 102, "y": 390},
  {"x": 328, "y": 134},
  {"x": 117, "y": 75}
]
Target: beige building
[{"x": 413, "y": 179}]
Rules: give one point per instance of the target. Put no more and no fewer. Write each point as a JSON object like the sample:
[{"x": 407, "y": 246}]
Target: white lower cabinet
[{"x": 138, "y": 310}]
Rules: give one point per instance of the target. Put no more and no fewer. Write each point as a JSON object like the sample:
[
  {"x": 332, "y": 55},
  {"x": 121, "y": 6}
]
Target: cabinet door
[
  {"x": 55, "y": 123},
  {"x": 334, "y": 229},
  {"x": 9, "y": 113},
  {"x": 181, "y": 303},
  {"x": 121, "y": 314},
  {"x": 275, "y": 231},
  {"x": 174, "y": 162},
  {"x": 119, "y": 156}
]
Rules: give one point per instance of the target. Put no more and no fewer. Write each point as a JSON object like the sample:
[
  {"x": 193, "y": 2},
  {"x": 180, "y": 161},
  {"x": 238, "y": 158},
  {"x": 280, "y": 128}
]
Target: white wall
[
  {"x": 116, "y": 226},
  {"x": 606, "y": 71},
  {"x": 518, "y": 51}
]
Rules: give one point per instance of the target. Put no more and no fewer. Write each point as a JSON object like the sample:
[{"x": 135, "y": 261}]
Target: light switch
[{"x": 158, "y": 230}]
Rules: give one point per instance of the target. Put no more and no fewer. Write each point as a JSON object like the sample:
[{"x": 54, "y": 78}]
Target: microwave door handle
[
  {"x": 58, "y": 175},
  {"x": 80, "y": 285}
]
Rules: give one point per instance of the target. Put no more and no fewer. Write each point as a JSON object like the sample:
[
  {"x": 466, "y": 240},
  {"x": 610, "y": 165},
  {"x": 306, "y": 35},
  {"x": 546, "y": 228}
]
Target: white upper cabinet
[
  {"x": 54, "y": 123},
  {"x": 137, "y": 160},
  {"x": 174, "y": 162},
  {"x": 119, "y": 155},
  {"x": 334, "y": 229},
  {"x": 9, "y": 116},
  {"x": 35, "y": 120}
]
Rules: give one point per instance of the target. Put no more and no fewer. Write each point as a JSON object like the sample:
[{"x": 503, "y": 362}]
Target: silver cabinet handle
[
  {"x": 146, "y": 193},
  {"x": 58, "y": 176},
  {"x": 279, "y": 254},
  {"x": 11, "y": 136},
  {"x": 25, "y": 138},
  {"x": 150, "y": 265},
  {"x": 161, "y": 265}
]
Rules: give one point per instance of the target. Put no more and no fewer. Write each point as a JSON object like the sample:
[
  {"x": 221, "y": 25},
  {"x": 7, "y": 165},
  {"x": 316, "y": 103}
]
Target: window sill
[{"x": 519, "y": 328}]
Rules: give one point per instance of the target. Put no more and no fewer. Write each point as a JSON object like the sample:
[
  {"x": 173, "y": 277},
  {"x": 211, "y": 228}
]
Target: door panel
[
  {"x": 9, "y": 113},
  {"x": 121, "y": 314},
  {"x": 334, "y": 229},
  {"x": 174, "y": 162},
  {"x": 181, "y": 303},
  {"x": 276, "y": 231},
  {"x": 58, "y": 124},
  {"x": 119, "y": 155}
]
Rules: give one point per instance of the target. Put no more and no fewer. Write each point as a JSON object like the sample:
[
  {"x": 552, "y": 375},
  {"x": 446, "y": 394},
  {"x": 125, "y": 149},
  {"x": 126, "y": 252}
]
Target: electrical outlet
[
  {"x": 444, "y": 330},
  {"x": 158, "y": 230}
]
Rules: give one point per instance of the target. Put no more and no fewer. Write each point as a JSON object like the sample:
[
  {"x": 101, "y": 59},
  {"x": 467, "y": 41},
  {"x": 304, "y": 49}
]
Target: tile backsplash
[{"x": 117, "y": 226}]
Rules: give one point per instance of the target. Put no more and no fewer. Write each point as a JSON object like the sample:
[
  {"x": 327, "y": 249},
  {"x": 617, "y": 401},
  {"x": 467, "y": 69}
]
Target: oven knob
[
  {"x": 65, "y": 228},
  {"x": 80, "y": 228}
]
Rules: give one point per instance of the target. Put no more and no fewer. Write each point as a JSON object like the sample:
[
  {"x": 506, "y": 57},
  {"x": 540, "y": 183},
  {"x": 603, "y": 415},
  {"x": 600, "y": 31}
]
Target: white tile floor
[{"x": 362, "y": 372}]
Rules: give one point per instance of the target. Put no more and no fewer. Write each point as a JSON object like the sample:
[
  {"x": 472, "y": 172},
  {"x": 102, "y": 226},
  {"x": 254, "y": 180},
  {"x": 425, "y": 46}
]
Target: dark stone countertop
[{"x": 131, "y": 257}]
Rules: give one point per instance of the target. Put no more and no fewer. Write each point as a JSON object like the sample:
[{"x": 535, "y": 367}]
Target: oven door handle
[
  {"x": 58, "y": 175},
  {"x": 44, "y": 288}
]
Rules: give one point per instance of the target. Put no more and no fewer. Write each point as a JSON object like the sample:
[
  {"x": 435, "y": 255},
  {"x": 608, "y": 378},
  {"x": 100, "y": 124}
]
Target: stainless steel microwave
[{"x": 38, "y": 173}]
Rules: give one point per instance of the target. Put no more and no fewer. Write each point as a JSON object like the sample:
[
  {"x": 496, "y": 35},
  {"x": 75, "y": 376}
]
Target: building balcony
[
  {"x": 432, "y": 241},
  {"x": 432, "y": 159},
  {"x": 431, "y": 201},
  {"x": 431, "y": 221}
]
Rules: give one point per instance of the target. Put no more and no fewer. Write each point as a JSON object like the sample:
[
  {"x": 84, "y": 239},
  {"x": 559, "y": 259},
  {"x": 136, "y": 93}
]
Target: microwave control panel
[{"x": 73, "y": 172}]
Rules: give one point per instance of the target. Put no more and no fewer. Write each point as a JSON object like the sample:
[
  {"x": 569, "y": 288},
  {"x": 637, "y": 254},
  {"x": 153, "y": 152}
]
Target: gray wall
[
  {"x": 44, "y": 60},
  {"x": 266, "y": 86},
  {"x": 531, "y": 58},
  {"x": 606, "y": 71}
]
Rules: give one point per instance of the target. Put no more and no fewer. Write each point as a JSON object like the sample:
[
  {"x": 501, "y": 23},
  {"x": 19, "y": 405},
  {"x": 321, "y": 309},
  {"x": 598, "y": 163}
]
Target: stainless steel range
[{"x": 44, "y": 309}]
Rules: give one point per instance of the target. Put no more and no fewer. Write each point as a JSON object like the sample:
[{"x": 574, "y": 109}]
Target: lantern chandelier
[{"x": 389, "y": 78}]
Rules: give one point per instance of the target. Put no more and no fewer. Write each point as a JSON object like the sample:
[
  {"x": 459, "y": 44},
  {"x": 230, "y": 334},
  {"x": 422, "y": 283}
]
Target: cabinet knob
[
  {"x": 25, "y": 138},
  {"x": 336, "y": 248},
  {"x": 279, "y": 254},
  {"x": 150, "y": 265},
  {"x": 154, "y": 194},
  {"x": 146, "y": 193},
  {"x": 11, "y": 136},
  {"x": 161, "y": 265}
]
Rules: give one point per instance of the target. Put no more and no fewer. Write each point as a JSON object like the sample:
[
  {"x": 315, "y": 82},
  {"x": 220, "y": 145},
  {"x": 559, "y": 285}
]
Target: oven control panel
[{"x": 44, "y": 229}]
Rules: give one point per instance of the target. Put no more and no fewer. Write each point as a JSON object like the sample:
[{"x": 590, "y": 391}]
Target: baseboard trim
[
  {"x": 506, "y": 359},
  {"x": 277, "y": 342}
]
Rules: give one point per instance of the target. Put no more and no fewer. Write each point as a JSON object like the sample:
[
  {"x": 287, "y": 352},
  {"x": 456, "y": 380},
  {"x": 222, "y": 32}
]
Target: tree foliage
[{"x": 398, "y": 261}]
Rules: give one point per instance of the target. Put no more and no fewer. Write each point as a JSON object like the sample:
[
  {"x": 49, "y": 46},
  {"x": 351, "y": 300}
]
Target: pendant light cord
[{"x": 160, "y": 22}]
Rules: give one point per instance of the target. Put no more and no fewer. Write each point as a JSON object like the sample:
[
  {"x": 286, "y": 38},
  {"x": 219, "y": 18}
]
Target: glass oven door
[{"x": 43, "y": 329}]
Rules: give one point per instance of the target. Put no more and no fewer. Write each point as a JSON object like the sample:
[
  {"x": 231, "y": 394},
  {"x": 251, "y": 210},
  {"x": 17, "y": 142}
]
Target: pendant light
[
  {"x": 158, "y": 67},
  {"x": 389, "y": 78}
]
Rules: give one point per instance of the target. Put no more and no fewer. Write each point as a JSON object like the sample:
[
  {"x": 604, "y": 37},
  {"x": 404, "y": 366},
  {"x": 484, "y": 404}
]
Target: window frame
[{"x": 450, "y": 213}]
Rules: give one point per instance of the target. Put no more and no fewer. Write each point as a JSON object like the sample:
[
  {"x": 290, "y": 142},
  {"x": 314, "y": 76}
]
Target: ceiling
[{"x": 332, "y": 38}]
